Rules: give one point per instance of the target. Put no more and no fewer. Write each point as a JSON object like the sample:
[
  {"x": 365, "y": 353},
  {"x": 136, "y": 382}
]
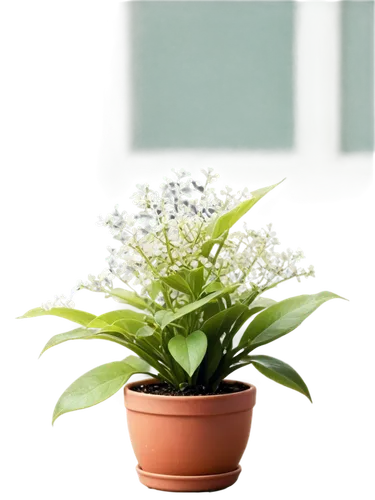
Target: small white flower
[{"x": 130, "y": 220}]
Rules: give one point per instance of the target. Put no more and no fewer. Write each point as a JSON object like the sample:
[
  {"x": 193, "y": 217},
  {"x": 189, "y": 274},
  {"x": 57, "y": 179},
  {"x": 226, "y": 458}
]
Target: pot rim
[{"x": 153, "y": 380}]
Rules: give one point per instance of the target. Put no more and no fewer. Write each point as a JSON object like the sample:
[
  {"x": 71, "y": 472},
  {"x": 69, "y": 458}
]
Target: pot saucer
[{"x": 166, "y": 482}]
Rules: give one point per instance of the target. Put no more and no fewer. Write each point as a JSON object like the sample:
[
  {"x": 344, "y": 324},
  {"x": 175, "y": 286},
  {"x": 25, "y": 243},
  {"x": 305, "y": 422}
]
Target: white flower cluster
[
  {"x": 167, "y": 234},
  {"x": 60, "y": 299},
  {"x": 68, "y": 296},
  {"x": 256, "y": 264}
]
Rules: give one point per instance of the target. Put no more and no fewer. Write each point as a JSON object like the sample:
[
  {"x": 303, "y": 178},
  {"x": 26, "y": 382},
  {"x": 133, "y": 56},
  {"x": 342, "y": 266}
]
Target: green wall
[
  {"x": 212, "y": 75},
  {"x": 357, "y": 73},
  {"x": 219, "y": 75}
]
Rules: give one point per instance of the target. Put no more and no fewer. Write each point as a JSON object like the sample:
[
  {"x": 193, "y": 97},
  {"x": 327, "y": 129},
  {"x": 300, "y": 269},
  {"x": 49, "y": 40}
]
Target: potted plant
[{"x": 194, "y": 313}]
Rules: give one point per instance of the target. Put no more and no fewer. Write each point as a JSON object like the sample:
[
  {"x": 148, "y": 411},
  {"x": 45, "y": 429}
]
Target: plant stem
[
  {"x": 198, "y": 234},
  {"x": 167, "y": 298},
  {"x": 221, "y": 244},
  {"x": 167, "y": 245},
  {"x": 152, "y": 267}
]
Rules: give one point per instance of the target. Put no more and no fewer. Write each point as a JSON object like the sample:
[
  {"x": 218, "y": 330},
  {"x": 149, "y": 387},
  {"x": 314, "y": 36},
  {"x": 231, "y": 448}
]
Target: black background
[{"x": 69, "y": 62}]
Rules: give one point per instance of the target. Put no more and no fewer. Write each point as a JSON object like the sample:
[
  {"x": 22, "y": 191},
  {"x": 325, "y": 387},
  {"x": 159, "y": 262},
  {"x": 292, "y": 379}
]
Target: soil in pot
[{"x": 163, "y": 389}]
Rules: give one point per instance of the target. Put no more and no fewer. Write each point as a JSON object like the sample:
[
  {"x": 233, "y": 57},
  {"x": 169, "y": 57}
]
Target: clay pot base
[{"x": 165, "y": 482}]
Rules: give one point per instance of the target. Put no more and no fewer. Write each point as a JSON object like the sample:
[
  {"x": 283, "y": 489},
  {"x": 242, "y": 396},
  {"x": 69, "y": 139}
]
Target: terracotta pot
[{"x": 189, "y": 443}]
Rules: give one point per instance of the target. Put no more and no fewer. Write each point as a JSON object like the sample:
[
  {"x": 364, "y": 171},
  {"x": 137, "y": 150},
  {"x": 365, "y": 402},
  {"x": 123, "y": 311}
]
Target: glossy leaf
[
  {"x": 77, "y": 334},
  {"x": 222, "y": 322},
  {"x": 280, "y": 372},
  {"x": 261, "y": 303},
  {"x": 214, "y": 286},
  {"x": 188, "y": 351},
  {"x": 195, "y": 279},
  {"x": 243, "y": 318},
  {"x": 208, "y": 246},
  {"x": 144, "y": 331},
  {"x": 227, "y": 220},
  {"x": 159, "y": 316},
  {"x": 169, "y": 318},
  {"x": 214, "y": 355},
  {"x": 178, "y": 283},
  {"x": 248, "y": 297},
  {"x": 128, "y": 297},
  {"x": 145, "y": 351},
  {"x": 81, "y": 317},
  {"x": 211, "y": 309},
  {"x": 237, "y": 338},
  {"x": 282, "y": 318},
  {"x": 113, "y": 329},
  {"x": 98, "y": 385},
  {"x": 129, "y": 325},
  {"x": 258, "y": 306},
  {"x": 154, "y": 289},
  {"x": 214, "y": 328},
  {"x": 112, "y": 316}
]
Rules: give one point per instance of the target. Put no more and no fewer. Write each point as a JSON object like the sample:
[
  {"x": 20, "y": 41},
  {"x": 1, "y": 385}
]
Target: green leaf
[
  {"x": 113, "y": 333},
  {"x": 261, "y": 303},
  {"x": 248, "y": 297},
  {"x": 227, "y": 220},
  {"x": 145, "y": 331},
  {"x": 280, "y": 372},
  {"x": 80, "y": 317},
  {"x": 125, "y": 328},
  {"x": 214, "y": 328},
  {"x": 177, "y": 282},
  {"x": 237, "y": 338},
  {"x": 189, "y": 351},
  {"x": 258, "y": 306},
  {"x": 127, "y": 297},
  {"x": 77, "y": 334},
  {"x": 243, "y": 317},
  {"x": 195, "y": 279},
  {"x": 222, "y": 322},
  {"x": 214, "y": 355},
  {"x": 208, "y": 246},
  {"x": 282, "y": 318},
  {"x": 129, "y": 325},
  {"x": 115, "y": 329},
  {"x": 110, "y": 317},
  {"x": 98, "y": 385},
  {"x": 239, "y": 365},
  {"x": 169, "y": 318},
  {"x": 154, "y": 289},
  {"x": 211, "y": 309},
  {"x": 214, "y": 286},
  {"x": 159, "y": 315}
]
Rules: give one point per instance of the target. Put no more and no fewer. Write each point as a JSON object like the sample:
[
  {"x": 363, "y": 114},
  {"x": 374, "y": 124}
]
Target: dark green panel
[
  {"x": 357, "y": 72},
  {"x": 212, "y": 74}
]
